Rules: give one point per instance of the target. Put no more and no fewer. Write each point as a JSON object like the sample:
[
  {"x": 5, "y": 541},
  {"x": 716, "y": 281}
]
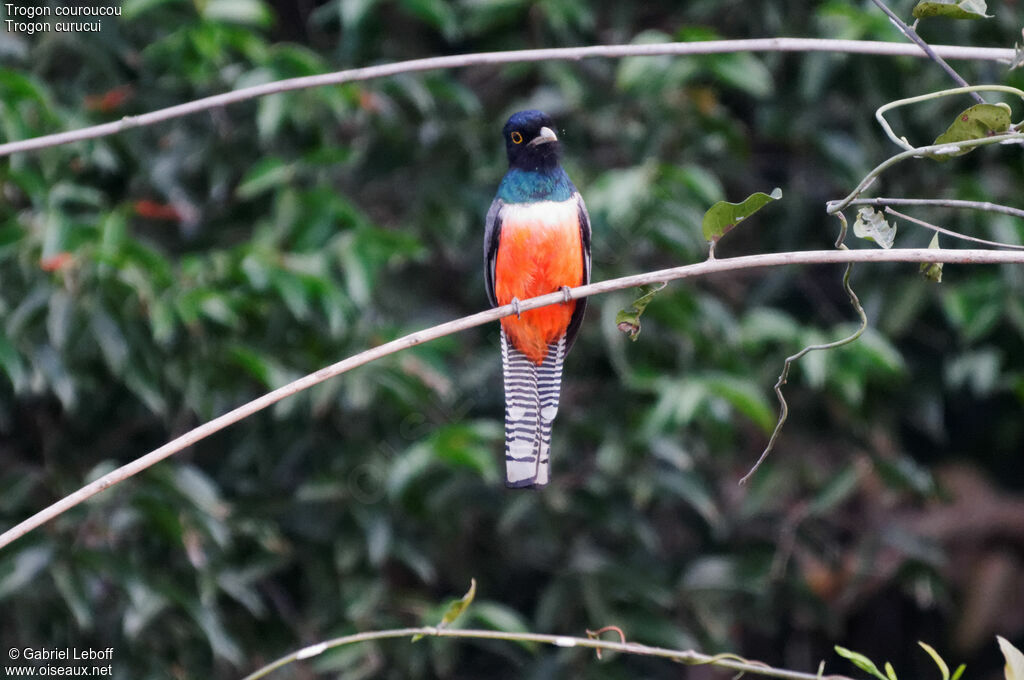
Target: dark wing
[
  {"x": 581, "y": 304},
  {"x": 492, "y": 235}
]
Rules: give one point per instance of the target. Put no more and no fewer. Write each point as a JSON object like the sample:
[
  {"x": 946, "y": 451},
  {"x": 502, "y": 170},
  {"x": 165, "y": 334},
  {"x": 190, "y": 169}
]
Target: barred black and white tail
[{"x": 531, "y": 403}]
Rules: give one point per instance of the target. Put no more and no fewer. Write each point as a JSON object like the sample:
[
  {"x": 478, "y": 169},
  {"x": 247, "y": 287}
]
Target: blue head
[
  {"x": 533, "y": 170},
  {"x": 531, "y": 142}
]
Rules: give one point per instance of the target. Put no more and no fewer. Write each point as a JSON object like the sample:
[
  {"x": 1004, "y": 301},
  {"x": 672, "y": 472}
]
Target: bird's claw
[
  {"x": 515, "y": 306},
  {"x": 566, "y": 294}
]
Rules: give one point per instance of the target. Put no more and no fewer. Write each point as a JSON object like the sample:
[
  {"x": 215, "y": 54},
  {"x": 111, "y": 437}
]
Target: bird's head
[{"x": 531, "y": 141}]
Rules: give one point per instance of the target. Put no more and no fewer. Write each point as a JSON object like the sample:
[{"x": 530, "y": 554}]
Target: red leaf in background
[
  {"x": 368, "y": 101},
  {"x": 108, "y": 101},
  {"x": 156, "y": 211},
  {"x": 55, "y": 262}
]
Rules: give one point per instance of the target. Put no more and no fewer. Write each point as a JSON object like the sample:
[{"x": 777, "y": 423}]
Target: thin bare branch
[
  {"x": 919, "y": 41},
  {"x": 941, "y": 203},
  {"x": 688, "y": 657},
  {"x": 876, "y": 48},
  {"x": 833, "y": 207},
  {"x": 916, "y": 255},
  {"x": 950, "y": 232}
]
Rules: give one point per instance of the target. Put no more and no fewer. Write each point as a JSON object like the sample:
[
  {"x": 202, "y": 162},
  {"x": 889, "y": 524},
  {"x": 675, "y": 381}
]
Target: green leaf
[
  {"x": 292, "y": 291},
  {"x": 965, "y": 9},
  {"x": 959, "y": 671},
  {"x": 943, "y": 668},
  {"x": 10, "y": 361},
  {"x": 59, "y": 318},
  {"x": 745, "y": 396},
  {"x": 860, "y": 661},
  {"x": 254, "y": 363},
  {"x": 52, "y": 366},
  {"x": 217, "y": 307},
  {"x": 202, "y": 491},
  {"x": 74, "y": 594},
  {"x": 628, "y": 320},
  {"x": 436, "y": 13},
  {"x": 622, "y": 194},
  {"x": 144, "y": 385},
  {"x": 877, "y": 354},
  {"x": 743, "y": 71},
  {"x": 455, "y": 609},
  {"x": 763, "y": 325},
  {"x": 217, "y": 636},
  {"x": 271, "y": 114},
  {"x": 977, "y": 122},
  {"x": 144, "y": 604},
  {"x": 933, "y": 270},
  {"x": 693, "y": 490},
  {"x": 133, "y": 9},
  {"x": 353, "y": 12},
  {"x": 248, "y": 12},
  {"x": 975, "y": 308},
  {"x": 113, "y": 232},
  {"x": 10, "y": 236},
  {"x": 871, "y": 226},
  {"x": 723, "y": 216},
  {"x": 467, "y": 445},
  {"x": 113, "y": 344},
  {"x": 500, "y": 617},
  {"x": 644, "y": 75},
  {"x": 839, "y": 488},
  {"x": 1014, "y": 659},
  {"x": 21, "y": 569},
  {"x": 18, "y": 489},
  {"x": 890, "y": 671},
  {"x": 268, "y": 174}
]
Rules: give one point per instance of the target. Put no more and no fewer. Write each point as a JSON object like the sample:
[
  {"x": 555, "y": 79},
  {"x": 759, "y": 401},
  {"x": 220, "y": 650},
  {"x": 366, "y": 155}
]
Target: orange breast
[{"x": 539, "y": 251}]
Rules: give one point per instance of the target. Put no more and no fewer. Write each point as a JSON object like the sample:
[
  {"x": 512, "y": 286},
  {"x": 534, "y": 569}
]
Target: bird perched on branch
[{"x": 537, "y": 241}]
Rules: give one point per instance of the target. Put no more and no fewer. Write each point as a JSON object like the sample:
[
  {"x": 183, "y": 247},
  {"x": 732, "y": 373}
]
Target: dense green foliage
[{"x": 154, "y": 279}]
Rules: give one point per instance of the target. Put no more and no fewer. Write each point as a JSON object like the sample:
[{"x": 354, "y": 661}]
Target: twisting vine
[
  {"x": 788, "y": 363},
  {"x": 1012, "y": 134}
]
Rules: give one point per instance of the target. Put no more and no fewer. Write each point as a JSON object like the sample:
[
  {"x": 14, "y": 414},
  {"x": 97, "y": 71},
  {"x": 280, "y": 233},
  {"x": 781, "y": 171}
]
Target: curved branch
[
  {"x": 457, "y": 61},
  {"x": 705, "y": 268},
  {"x": 690, "y": 658}
]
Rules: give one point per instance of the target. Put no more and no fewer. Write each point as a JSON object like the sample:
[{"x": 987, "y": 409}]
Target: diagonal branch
[
  {"x": 705, "y": 268},
  {"x": 460, "y": 60},
  {"x": 950, "y": 232},
  {"x": 919, "y": 41}
]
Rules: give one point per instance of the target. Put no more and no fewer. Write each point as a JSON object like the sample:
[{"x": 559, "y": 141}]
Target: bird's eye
[{"x": 517, "y": 138}]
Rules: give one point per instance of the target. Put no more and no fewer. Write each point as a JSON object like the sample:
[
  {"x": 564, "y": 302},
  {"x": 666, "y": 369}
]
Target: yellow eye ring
[{"x": 517, "y": 138}]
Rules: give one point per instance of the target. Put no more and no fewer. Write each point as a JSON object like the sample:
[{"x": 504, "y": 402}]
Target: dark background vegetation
[{"x": 154, "y": 279}]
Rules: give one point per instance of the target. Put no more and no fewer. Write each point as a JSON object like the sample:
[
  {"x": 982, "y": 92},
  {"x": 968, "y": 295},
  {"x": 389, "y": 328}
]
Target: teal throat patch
[{"x": 527, "y": 186}]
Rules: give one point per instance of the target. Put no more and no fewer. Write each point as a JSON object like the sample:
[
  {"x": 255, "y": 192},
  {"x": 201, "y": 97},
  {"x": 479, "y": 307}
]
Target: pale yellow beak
[{"x": 545, "y": 136}]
